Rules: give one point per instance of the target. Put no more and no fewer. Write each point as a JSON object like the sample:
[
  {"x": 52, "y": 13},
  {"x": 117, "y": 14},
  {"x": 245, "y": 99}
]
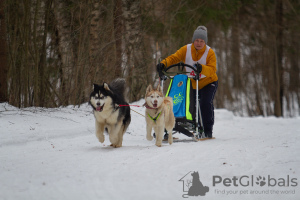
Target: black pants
[{"x": 206, "y": 97}]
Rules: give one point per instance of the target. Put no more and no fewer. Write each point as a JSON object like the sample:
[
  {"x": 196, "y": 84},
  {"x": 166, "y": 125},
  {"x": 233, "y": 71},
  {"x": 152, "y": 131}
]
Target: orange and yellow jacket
[{"x": 209, "y": 70}]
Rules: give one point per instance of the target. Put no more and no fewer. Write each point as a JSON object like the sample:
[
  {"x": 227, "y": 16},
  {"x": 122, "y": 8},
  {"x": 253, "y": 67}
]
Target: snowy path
[{"x": 54, "y": 154}]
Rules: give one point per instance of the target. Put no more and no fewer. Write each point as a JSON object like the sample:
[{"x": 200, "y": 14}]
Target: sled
[{"x": 185, "y": 100}]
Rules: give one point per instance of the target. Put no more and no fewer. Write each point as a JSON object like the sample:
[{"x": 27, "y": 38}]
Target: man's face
[{"x": 199, "y": 44}]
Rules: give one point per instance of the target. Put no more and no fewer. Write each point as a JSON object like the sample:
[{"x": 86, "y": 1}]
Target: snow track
[{"x": 54, "y": 154}]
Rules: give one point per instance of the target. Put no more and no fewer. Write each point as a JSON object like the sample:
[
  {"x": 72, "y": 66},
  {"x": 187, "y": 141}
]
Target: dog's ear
[
  {"x": 95, "y": 86},
  {"x": 106, "y": 87},
  {"x": 158, "y": 88},
  {"x": 149, "y": 89}
]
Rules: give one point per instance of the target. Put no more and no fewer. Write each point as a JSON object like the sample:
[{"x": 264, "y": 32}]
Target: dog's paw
[
  {"x": 115, "y": 145},
  {"x": 158, "y": 143},
  {"x": 170, "y": 140},
  {"x": 101, "y": 138},
  {"x": 149, "y": 137}
]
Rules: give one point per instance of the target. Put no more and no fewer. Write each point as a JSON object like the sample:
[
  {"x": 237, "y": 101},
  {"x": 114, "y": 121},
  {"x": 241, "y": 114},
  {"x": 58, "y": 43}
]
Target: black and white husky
[{"x": 109, "y": 116}]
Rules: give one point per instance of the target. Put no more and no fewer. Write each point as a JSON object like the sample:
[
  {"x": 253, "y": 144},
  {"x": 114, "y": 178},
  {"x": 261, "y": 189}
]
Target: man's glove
[
  {"x": 198, "y": 67},
  {"x": 160, "y": 67},
  {"x": 198, "y": 70}
]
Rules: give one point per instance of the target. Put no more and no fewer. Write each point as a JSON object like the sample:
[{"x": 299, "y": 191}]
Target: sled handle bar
[
  {"x": 163, "y": 75},
  {"x": 182, "y": 65}
]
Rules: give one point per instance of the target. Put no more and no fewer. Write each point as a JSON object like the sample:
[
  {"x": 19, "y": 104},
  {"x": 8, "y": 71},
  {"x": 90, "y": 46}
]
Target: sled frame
[{"x": 164, "y": 75}]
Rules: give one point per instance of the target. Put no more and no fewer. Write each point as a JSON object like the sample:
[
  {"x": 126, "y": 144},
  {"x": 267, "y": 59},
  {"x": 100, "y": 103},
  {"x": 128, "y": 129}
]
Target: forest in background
[{"x": 52, "y": 51}]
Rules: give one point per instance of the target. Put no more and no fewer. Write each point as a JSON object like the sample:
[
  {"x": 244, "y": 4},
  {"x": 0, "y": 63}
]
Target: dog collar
[{"x": 155, "y": 118}]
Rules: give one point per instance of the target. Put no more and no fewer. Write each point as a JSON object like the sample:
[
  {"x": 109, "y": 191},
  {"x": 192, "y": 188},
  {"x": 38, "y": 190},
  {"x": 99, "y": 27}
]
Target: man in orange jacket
[{"x": 200, "y": 54}]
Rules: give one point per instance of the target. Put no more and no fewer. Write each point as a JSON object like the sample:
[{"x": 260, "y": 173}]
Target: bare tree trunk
[
  {"x": 43, "y": 53},
  {"x": 118, "y": 33},
  {"x": 236, "y": 56},
  {"x": 134, "y": 67},
  {"x": 102, "y": 41},
  {"x": 36, "y": 24},
  {"x": 279, "y": 60},
  {"x": 28, "y": 89},
  {"x": 82, "y": 56},
  {"x": 66, "y": 48},
  {"x": 95, "y": 39},
  {"x": 3, "y": 55},
  {"x": 295, "y": 70}
]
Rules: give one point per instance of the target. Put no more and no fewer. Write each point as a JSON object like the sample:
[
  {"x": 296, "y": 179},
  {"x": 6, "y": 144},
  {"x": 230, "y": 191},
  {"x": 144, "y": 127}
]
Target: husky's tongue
[
  {"x": 99, "y": 108},
  {"x": 154, "y": 105}
]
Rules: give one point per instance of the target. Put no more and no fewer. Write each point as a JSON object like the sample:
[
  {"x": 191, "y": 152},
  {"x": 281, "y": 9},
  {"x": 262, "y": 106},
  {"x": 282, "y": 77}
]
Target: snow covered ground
[{"x": 54, "y": 154}]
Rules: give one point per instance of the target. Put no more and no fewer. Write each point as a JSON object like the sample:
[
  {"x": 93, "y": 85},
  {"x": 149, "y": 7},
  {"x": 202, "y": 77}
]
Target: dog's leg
[
  {"x": 149, "y": 130},
  {"x": 114, "y": 135},
  {"x": 159, "y": 131},
  {"x": 113, "y": 138},
  {"x": 120, "y": 135},
  {"x": 170, "y": 138},
  {"x": 99, "y": 131},
  {"x": 169, "y": 126}
]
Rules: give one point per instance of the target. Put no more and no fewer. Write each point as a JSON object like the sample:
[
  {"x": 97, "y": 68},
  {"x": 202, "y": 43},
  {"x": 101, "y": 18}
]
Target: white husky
[{"x": 159, "y": 114}]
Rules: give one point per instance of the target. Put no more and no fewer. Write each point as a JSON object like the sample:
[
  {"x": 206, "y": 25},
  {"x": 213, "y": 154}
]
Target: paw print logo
[{"x": 261, "y": 181}]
